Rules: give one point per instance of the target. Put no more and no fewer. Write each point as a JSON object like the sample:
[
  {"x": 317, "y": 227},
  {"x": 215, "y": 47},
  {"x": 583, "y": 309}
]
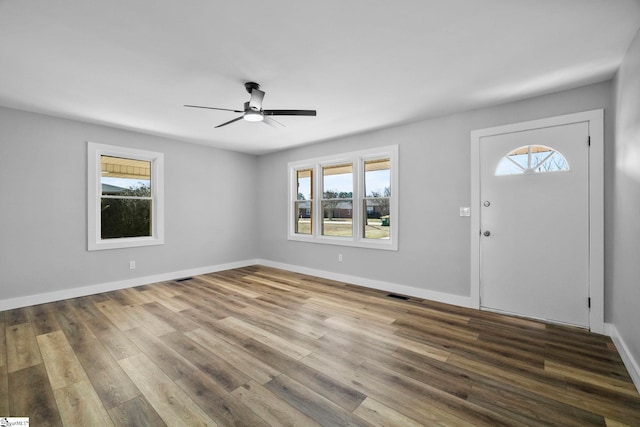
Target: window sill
[
  {"x": 383, "y": 244},
  {"x": 131, "y": 242}
]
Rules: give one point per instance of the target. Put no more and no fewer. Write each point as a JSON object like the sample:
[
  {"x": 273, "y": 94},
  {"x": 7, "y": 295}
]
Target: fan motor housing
[{"x": 249, "y": 86}]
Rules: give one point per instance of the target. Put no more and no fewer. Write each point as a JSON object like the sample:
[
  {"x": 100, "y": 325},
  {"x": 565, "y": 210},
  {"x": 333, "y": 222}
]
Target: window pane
[
  {"x": 377, "y": 178},
  {"x": 377, "y": 224},
  {"x": 125, "y": 177},
  {"x": 554, "y": 163},
  {"x": 337, "y": 218},
  {"x": 530, "y": 159},
  {"x": 125, "y": 218},
  {"x": 303, "y": 221},
  {"x": 337, "y": 181},
  {"x": 507, "y": 167},
  {"x": 305, "y": 184}
]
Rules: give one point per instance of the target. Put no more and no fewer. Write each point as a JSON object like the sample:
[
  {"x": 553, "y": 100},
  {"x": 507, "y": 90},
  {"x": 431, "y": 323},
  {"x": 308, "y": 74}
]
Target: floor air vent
[{"x": 396, "y": 296}]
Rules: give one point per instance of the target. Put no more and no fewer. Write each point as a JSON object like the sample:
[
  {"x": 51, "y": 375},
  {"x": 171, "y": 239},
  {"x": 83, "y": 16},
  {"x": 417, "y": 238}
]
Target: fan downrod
[{"x": 249, "y": 86}]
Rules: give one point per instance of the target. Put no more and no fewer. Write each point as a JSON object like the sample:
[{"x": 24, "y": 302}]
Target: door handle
[{"x": 487, "y": 233}]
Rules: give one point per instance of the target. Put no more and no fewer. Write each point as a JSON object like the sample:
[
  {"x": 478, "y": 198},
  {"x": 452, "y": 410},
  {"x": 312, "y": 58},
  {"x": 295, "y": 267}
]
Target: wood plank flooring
[{"x": 258, "y": 346}]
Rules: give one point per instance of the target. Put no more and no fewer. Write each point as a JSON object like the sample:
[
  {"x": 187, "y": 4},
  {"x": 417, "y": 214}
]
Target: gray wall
[
  {"x": 209, "y": 209},
  {"x": 434, "y": 158},
  {"x": 623, "y": 249},
  {"x": 224, "y": 207}
]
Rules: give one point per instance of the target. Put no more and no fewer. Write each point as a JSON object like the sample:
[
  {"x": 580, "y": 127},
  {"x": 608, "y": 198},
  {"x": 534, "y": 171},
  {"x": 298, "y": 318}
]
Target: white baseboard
[
  {"x": 43, "y": 298},
  {"x": 28, "y": 300},
  {"x": 458, "y": 300},
  {"x": 630, "y": 362}
]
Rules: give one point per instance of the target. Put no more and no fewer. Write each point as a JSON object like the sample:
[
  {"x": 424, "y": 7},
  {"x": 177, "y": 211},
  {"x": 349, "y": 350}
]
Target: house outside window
[
  {"x": 125, "y": 197},
  {"x": 358, "y": 202}
]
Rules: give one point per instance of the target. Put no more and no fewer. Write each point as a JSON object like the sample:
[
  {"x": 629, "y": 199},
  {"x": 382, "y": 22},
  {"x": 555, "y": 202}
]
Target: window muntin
[
  {"x": 303, "y": 205},
  {"x": 125, "y": 197},
  {"x": 530, "y": 159},
  {"x": 377, "y": 200},
  {"x": 355, "y": 194},
  {"x": 337, "y": 200}
]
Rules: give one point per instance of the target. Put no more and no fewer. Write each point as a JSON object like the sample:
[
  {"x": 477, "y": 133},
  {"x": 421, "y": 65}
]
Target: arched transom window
[{"x": 530, "y": 159}]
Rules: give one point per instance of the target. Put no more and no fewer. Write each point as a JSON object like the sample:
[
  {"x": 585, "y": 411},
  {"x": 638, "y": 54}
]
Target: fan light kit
[
  {"x": 253, "y": 111},
  {"x": 253, "y": 116}
]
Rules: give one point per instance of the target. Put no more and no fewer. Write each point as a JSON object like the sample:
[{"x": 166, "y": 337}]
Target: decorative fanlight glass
[{"x": 530, "y": 159}]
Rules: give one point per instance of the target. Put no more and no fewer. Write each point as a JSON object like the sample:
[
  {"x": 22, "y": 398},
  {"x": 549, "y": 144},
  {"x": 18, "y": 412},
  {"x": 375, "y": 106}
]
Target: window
[
  {"x": 304, "y": 201},
  {"x": 377, "y": 198},
  {"x": 357, "y": 203},
  {"x": 337, "y": 200},
  {"x": 125, "y": 197},
  {"x": 530, "y": 159}
]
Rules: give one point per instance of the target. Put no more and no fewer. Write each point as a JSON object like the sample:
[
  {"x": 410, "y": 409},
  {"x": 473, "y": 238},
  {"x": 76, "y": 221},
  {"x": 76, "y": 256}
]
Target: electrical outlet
[
  {"x": 465, "y": 211},
  {"x": 339, "y": 257},
  {"x": 132, "y": 265}
]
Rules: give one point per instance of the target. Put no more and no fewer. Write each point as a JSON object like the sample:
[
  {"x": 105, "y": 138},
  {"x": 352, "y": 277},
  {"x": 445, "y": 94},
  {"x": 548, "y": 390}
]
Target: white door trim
[{"x": 595, "y": 118}]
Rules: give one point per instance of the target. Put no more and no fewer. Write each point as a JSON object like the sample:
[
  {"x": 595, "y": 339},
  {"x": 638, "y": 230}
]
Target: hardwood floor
[{"x": 258, "y": 346}]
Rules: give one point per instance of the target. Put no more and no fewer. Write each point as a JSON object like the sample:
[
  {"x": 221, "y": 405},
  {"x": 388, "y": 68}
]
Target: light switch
[{"x": 465, "y": 211}]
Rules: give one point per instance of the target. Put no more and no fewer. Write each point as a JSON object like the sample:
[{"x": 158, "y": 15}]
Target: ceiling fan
[{"x": 253, "y": 111}]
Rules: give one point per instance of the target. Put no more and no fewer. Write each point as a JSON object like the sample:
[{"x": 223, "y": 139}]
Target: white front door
[{"x": 534, "y": 223}]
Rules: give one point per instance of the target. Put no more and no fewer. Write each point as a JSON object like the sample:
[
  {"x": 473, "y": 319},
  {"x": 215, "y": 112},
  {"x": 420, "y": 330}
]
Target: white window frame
[
  {"x": 94, "y": 193},
  {"x": 357, "y": 159}
]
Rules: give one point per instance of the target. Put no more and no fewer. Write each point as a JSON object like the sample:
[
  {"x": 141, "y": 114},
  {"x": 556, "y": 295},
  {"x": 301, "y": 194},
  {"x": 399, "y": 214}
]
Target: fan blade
[
  {"x": 272, "y": 122},
  {"x": 229, "y": 122},
  {"x": 289, "y": 112},
  {"x": 256, "y": 99},
  {"x": 214, "y": 108}
]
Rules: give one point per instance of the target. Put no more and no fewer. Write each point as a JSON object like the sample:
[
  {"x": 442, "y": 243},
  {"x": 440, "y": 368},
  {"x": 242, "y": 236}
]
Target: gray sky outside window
[
  {"x": 377, "y": 177},
  {"x": 304, "y": 184},
  {"x": 338, "y": 178}
]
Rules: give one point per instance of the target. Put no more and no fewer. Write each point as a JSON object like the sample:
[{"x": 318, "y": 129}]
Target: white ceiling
[{"x": 362, "y": 64}]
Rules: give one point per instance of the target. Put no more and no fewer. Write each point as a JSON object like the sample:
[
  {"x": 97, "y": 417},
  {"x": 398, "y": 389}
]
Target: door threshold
[{"x": 538, "y": 319}]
